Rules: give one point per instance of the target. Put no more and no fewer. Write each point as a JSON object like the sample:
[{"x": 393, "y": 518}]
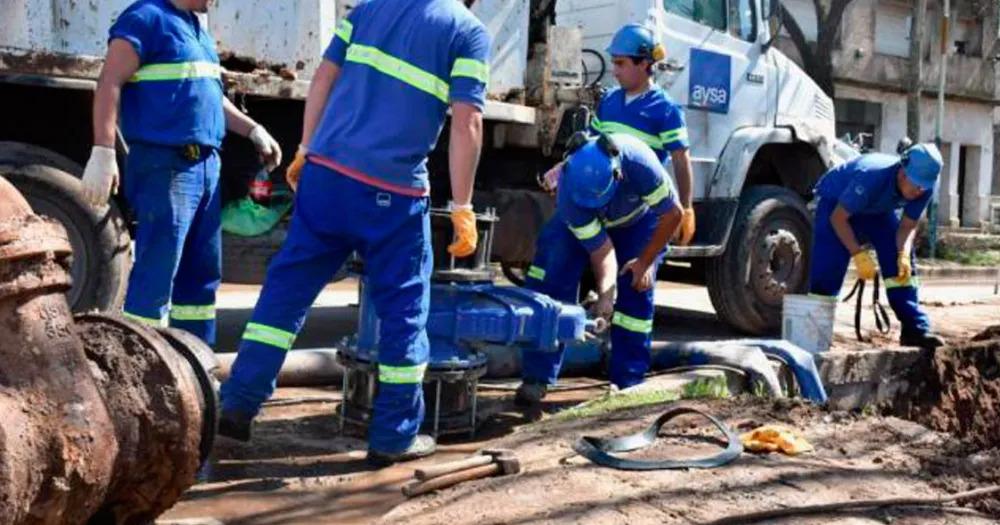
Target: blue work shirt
[
  {"x": 652, "y": 117},
  {"x": 645, "y": 188},
  {"x": 867, "y": 185},
  {"x": 403, "y": 62},
  {"x": 175, "y": 98}
]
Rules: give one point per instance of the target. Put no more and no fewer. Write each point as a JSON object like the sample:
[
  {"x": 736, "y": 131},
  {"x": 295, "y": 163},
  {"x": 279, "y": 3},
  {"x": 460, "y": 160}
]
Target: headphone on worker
[
  {"x": 605, "y": 143},
  {"x": 903, "y": 148}
]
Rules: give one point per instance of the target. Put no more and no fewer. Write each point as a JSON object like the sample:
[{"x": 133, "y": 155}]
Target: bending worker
[
  {"x": 858, "y": 203},
  {"x": 640, "y": 108},
  {"x": 375, "y": 109},
  {"x": 158, "y": 51},
  {"x": 616, "y": 209}
]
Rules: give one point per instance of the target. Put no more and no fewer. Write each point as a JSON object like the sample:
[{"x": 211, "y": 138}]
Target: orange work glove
[
  {"x": 686, "y": 231},
  {"x": 295, "y": 168},
  {"x": 864, "y": 264},
  {"x": 463, "y": 220}
]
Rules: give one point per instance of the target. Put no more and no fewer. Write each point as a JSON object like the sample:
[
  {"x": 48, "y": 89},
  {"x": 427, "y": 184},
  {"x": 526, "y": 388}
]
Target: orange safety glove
[
  {"x": 295, "y": 168},
  {"x": 903, "y": 268},
  {"x": 686, "y": 231},
  {"x": 463, "y": 220},
  {"x": 864, "y": 264}
]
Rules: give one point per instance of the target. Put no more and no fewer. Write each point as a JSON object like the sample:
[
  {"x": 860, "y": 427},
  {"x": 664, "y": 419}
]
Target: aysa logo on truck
[{"x": 708, "y": 87}]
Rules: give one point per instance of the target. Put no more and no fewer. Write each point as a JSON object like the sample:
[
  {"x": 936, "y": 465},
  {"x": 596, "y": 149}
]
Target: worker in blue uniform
[
  {"x": 375, "y": 110},
  {"x": 641, "y": 108},
  {"x": 616, "y": 209},
  {"x": 859, "y": 202},
  {"x": 162, "y": 67}
]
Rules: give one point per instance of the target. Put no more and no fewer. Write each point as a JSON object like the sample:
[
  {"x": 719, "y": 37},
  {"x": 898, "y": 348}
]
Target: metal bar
[
  {"x": 437, "y": 408},
  {"x": 343, "y": 400}
]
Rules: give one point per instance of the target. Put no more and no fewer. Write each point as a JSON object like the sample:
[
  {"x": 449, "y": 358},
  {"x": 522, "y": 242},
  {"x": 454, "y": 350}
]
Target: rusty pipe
[
  {"x": 105, "y": 420},
  {"x": 57, "y": 442}
]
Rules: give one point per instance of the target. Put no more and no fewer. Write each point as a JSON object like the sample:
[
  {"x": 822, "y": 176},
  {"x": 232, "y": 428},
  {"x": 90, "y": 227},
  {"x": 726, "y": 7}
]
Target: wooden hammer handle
[
  {"x": 417, "y": 488},
  {"x": 441, "y": 469}
]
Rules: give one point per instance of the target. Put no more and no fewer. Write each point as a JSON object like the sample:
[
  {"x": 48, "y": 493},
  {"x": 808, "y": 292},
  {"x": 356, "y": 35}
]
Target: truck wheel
[
  {"x": 102, "y": 254},
  {"x": 767, "y": 256},
  {"x": 245, "y": 259}
]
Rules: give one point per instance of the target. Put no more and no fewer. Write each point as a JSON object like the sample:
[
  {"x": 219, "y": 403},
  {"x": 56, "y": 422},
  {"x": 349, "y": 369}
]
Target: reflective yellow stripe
[
  {"x": 466, "y": 67},
  {"x": 896, "y": 282},
  {"x": 830, "y": 298},
  {"x": 536, "y": 273},
  {"x": 642, "y": 326},
  {"x": 596, "y": 123},
  {"x": 177, "y": 71},
  {"x": 144, "y": 320},
  {"x": 674, "y": 135},
  {"x": 401, "y": 375},
  {"x": 618, "y": 127},
  {"x": 657, "y": 195},
  {"x": 398, "y": 69},
  {"x": 182, "y": 312},
  {"x": 622, "y": 220},
  {"x": 345, "y": 29},
  {"x": 587, "y": 231},
  {"x": 269, "y": 336}
]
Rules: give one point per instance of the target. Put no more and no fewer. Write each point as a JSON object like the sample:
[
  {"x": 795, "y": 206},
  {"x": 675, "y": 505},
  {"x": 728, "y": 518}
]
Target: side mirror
[{"x": 772, "y": 12}]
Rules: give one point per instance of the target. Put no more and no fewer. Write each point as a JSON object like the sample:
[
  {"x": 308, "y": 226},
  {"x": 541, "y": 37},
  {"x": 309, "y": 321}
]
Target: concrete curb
[{"x": 932, "y": 273}]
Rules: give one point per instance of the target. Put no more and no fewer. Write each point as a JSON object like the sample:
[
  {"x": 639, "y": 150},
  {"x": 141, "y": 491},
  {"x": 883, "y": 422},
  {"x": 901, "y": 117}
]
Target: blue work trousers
[
  {"x": 335, "y": 215},
  {"x": 560, "y": 261},
  {"x": 830, "y": 259},
  {"x": 178, "y": 238}
]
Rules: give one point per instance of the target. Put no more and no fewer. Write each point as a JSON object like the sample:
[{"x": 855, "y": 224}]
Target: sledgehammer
[{"x": 490, "y": 462}]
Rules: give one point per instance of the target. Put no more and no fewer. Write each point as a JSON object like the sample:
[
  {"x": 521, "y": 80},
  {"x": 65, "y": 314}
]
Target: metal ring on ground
[{"x": 598, "y": 450}]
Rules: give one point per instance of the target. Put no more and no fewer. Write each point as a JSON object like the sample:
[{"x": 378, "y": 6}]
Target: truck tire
[
  {"x": 245, "y": 259},
  {"x": 767, "y": 256},
  {"x": 102, "y": 254}
]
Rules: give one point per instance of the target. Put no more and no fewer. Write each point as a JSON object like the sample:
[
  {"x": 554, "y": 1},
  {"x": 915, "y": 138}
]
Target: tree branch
[
  {"x": 832, "y": 23},
  {"x": 798, "y": 38}
]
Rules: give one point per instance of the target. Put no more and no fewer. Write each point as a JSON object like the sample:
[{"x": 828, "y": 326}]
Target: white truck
[{"x": 761, "y": 131}]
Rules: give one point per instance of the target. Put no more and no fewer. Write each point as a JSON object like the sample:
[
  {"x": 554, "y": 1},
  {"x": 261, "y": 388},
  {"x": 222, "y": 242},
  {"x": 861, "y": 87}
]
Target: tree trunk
[{"x": 917, "y": 31}]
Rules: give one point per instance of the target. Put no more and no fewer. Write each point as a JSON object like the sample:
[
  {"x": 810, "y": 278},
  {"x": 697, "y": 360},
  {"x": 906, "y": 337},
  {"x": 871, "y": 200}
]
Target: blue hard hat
[
  {"x": 591, "y": 173},
  {"x": 922, "y": 164},
  {"x": 635, "y": 40}
]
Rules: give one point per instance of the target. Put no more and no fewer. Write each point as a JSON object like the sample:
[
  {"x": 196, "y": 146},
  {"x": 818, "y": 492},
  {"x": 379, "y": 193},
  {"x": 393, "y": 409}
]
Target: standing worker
[
  {"x": 642, "y": 109},
  {"x": 162, "y": 66},
  {"x": 859, "y": 202},
  {"x": 375, "y": 110},
  {"x": 616, "y": 208}
]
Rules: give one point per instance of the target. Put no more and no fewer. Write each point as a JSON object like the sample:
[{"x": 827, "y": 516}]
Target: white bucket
[{"x": 807, "y": 321}]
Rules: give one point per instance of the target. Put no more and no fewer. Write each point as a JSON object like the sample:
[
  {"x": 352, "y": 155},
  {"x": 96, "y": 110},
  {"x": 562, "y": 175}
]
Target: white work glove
[
  {"x": 100, "y": 177},
  {"x": 267, "y": 147},
  {"x": 550, "y": 181}
]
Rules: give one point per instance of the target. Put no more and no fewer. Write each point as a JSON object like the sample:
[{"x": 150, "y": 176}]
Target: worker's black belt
[{"x": 598, "y": 449}]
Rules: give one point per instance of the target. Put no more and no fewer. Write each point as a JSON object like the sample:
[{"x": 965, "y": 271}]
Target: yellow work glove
[
  {"x": 903, "y": 268},
  {"x": 463, "y": 221},
  {"x": 775, "y": 438},
  {"x": 686, "y": 232},
  {"x": 295, "y": 168},
  {"x": 864, "y": 264}
]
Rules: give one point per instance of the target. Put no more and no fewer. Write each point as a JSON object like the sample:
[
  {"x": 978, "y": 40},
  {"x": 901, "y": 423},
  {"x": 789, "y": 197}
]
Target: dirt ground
[{"x": 299, "y": 469}]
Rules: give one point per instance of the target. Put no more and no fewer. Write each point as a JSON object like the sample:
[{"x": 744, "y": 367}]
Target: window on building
[
  {"x": 967, "y": 37},
  {"x": 709, "y": 12},
  {"x": 892, "y": 29},
  {"x": 742, "y": 20},
  {"x": 859, "y": 118}
]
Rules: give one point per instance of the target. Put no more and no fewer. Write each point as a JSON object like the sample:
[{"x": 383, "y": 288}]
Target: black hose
[{"x": 604, "y": 66}]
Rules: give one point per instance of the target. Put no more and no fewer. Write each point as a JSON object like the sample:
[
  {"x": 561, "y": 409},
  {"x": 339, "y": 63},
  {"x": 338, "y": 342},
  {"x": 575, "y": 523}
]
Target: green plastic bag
[{"x": 246, "y": 218}]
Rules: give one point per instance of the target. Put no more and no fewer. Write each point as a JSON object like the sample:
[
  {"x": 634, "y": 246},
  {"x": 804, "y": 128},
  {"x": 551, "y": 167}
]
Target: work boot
[
  {"x": 235, "y": 425},
  {"x": 925, "y": 340},
  {"x": 422, "y": 446},
  {"x": 530, "y": 394}
]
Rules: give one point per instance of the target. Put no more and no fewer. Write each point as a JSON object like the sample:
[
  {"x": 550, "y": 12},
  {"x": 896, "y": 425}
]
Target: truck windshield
[{"x": 709, "y": 12}]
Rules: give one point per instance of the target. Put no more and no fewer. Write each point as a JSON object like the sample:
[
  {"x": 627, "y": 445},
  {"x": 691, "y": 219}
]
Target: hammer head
[{"x": 505, "y": 458}]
